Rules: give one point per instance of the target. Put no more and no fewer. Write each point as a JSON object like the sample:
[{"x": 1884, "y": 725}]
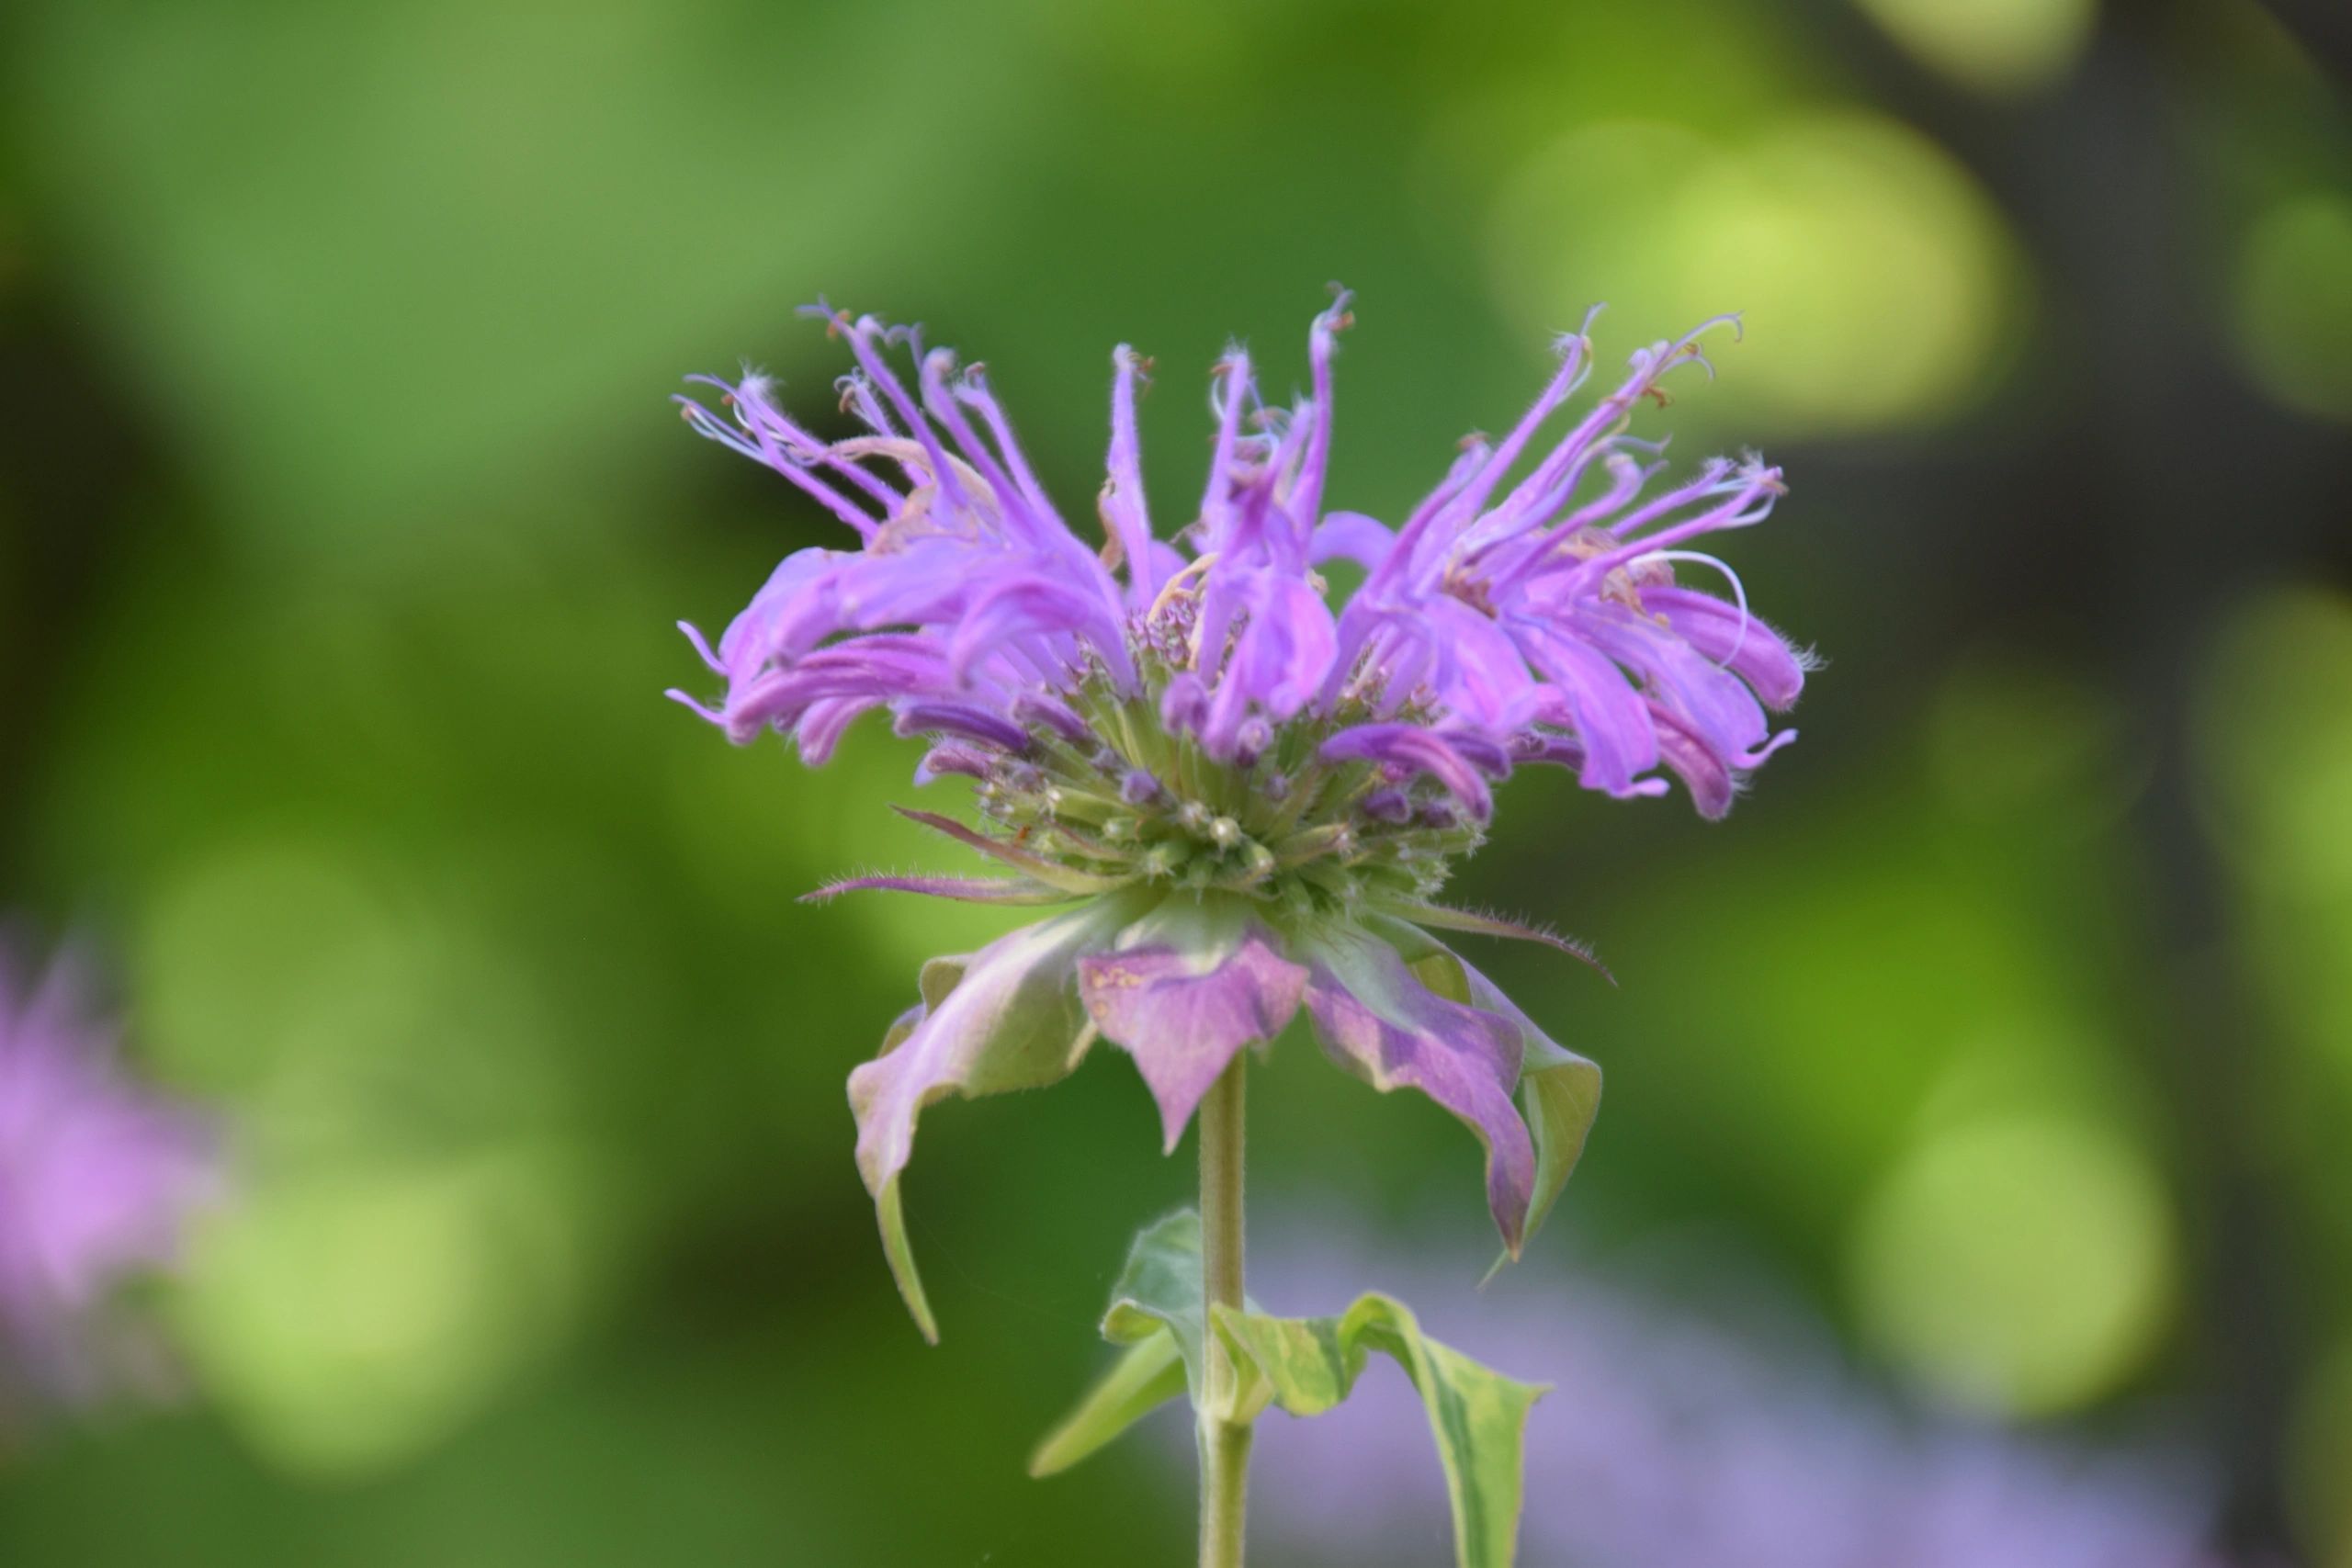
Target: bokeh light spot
[
  {"x": 2274, "y": 734},
  {"x": 2294, "y": 304},
  {"x": 349, "y": 1317},
  {"x": 2018, "y": 1264},
  {"x": 1873, "y": 274},
  {"x": 1995, "y": 46},
  {"x": 259, "y": 951}
]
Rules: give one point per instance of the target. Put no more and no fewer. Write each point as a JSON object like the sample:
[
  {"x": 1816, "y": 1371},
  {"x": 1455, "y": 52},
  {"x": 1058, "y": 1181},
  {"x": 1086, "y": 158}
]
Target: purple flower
[
  {"x": 1252, "y": 793},
  {"x": 97, "y": 1178}
]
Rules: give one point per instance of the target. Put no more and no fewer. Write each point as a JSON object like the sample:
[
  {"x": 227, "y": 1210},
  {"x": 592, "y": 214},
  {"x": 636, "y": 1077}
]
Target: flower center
[{"x": 1118, "y": 794}]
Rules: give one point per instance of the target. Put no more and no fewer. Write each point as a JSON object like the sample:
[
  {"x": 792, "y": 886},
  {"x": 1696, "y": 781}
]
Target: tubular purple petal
[
  {"x": 1125, "y": 512},
  {"x": 1306, "y": 499},
  {"x": 1417, "y": 750},
  {"x": 959, "y": 719}
]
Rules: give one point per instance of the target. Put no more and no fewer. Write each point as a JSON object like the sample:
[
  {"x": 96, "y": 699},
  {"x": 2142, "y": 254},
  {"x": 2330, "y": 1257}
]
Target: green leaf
[
  {"x": 1477, "y": 1415},
  {"x": 1155, "y": 1312},
  {"x": 1306, "y": 1366},
  {"x": 1159, "y": 1293},
  {"x": 1146, "y": 1377}
]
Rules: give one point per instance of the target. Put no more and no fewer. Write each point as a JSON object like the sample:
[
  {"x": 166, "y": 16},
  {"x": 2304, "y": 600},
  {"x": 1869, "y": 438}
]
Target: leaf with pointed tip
[
  {"x": 888, "y": 1210},
  {"x": 1306, "y": 1366},
  {"x": 1391, "y": 1006},
  {"x": 1159, "y": 1291},
  {"x": 1559, "y": 1092},
  {"x": 1477, "y": 1415},
  {"x": 1155, "y": 1315},
  {"x": 1038, "y": 866},
  {"x": 1143, "y": 1378},
  {"x": 1004, "y": 1017}
]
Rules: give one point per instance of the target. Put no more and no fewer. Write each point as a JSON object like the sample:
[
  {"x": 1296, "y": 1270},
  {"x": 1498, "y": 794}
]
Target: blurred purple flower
[
  {"x": 97, "y": 1179},
  {"x": 1678, "y": 1439},
  {"x": 1254, "y": 796}
]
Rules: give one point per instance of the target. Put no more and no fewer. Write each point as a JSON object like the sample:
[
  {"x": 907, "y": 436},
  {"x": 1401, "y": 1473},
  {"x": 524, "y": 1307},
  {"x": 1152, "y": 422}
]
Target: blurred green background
[{"x": 344, "y": 522}]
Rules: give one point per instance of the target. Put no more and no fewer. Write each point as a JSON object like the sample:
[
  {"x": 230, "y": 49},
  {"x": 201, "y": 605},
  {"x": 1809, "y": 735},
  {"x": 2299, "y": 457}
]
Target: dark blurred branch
[
  {"x": 72, "y": 459},
  {"x": 2324, "y": 28}
]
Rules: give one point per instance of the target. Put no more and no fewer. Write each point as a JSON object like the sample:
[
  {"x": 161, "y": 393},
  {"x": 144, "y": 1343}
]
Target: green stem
[{"x": 1224, "y": 1444}]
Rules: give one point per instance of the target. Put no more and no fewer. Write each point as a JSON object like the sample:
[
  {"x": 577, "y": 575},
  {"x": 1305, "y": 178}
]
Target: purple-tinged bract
[
  {"x": 99, "y": 1177},
  {"x": 1255, "y": 791}
]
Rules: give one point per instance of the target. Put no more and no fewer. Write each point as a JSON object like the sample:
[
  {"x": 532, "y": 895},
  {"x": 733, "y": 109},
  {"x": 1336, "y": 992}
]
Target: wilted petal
[
  {"x": 1006, "y": 1017},
  {"x": 965, "y": 721},
  {"x": 1378, "y": 1019},
  {"x": 1189, "y": 985}
]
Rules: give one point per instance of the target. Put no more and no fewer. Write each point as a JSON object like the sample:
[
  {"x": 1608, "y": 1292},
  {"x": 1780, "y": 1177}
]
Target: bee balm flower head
[{"x": 1249, "y": 796}]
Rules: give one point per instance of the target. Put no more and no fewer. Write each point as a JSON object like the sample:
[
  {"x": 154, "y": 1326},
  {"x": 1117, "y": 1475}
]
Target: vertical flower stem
[{"x": 1224, "y": 1444}]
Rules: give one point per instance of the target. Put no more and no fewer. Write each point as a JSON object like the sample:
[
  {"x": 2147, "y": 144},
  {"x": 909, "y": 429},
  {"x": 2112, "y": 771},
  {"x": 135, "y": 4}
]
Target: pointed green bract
[
  {"x": 1445, "y": 916},
  {"x": 1003, "y": 1019},
  {"x": 890, "y": 1211},
  {"x": 1053, "y": 873},
  {"x": 1306, "y": 1366},
  {"x": 939, "y": 976},
  {"x": 1558, "y": 1091}
]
